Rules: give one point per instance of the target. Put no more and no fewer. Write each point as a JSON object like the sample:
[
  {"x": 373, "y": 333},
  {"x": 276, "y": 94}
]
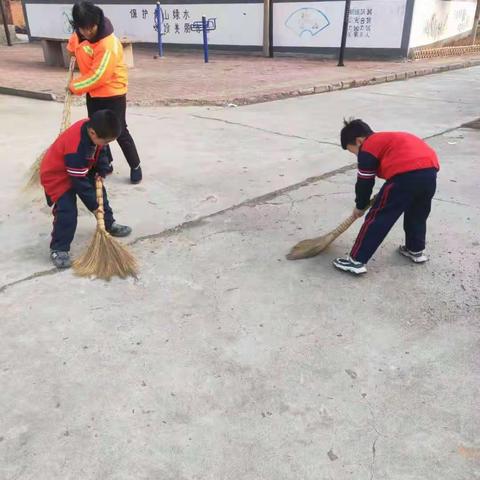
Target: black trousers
[
  {"x": 65, "y": 215},
  {"x": 409, "y": 193},
  {"x": 118, "y": 105}
]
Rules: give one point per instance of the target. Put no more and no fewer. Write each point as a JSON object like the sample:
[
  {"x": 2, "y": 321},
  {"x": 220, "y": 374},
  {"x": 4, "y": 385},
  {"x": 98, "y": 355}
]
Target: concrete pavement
[{"x": 225, "y": 361}]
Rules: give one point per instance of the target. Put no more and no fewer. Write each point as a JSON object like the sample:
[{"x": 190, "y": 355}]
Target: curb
[
  {"x": 356, "y": 83},
  {"x": 17, "y": 92},
  {"x": 271, "y": 97}
]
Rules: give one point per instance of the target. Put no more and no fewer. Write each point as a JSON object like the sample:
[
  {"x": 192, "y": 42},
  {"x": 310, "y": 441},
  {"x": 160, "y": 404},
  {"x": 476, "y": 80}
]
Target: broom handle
[
  {"x": 68, "y": 98},
  {"x": 346, "y": 224},
  {"x": 99, "y": 192}
]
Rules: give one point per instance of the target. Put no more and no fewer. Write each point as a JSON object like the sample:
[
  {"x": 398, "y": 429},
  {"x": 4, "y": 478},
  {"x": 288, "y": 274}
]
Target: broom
[
  {"x": 33, "y": 175},
  {"x": 313, "y": 246},
  {"x": 105, "y": 257}
]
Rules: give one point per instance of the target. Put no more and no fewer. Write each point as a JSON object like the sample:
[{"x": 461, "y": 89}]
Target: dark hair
[
  {"x": 85, "y": 15},
  {"x": 106, "y": 124},
  {"x": 352, "y": 129}
]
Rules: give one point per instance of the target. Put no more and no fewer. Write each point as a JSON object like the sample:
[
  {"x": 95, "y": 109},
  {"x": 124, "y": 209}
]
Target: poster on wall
[
  {"x": 372, "y": 24},
  {"x": 228, "y": 24},
  {"x": 437, "y": 20}
]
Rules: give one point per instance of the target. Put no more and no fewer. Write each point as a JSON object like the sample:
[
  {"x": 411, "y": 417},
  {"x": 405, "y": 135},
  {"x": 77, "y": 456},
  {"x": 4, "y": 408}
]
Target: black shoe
[
  {"x": 117, "y": 230},
  {"x": 136, "y": 175},
  {"x": 61, "y": 259},
  {"x": 347, "y": 264}
]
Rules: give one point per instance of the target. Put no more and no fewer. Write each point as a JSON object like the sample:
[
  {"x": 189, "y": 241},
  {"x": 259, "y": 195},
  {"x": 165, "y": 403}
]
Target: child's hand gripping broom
[
  {"x": 33, "y": 175},
  {"x": 105, "y": 257},
  {"x": 313, "y": 246}
]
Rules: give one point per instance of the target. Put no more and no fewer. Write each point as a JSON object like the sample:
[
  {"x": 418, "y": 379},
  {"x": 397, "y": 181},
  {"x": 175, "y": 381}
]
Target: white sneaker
[
  {"x": 347, "y": 264},
  {"x": 415, "y": 257}
]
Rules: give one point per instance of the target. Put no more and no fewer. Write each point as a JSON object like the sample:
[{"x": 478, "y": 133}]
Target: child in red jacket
[
  {"x": 68, "y": 169},
  {"x": 410, "y": 168}
]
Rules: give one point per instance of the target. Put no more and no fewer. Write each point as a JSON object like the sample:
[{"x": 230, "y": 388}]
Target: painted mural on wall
[
  {"x": 67, "y": 21},
  {"x": 436, "y": 20},
  {"x": 310, "y": 21},
  {"x": 437, "y": 25},
  {"x": 372, "y": 23},
  {"x": 227, "y": 24}
]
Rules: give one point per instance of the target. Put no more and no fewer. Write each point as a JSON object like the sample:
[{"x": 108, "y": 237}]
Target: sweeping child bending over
[
  {"x": 68, "y": 170},
  {"x": 410, "y": 168}
]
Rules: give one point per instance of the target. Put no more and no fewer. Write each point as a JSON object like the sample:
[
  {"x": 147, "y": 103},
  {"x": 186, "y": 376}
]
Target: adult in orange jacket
[{"x": 103, "y": 73}]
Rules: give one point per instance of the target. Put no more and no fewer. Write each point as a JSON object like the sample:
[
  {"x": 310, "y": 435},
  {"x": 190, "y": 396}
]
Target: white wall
[
  {"x": 436, "y": 20},
  {"x": 373, "y": 24},
  {"x": 236, "y": 24}
]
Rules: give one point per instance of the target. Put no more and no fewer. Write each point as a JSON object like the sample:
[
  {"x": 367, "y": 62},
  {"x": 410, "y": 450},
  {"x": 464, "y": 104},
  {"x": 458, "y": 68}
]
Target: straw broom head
[
  {"x": 105, "y": 257},
  {"x": 33, "y": 175},
  {"x": 313, "y": 246}
]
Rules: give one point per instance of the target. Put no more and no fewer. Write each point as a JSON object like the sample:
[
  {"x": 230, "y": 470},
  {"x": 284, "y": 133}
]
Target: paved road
[{"x": 224, "y": 361}]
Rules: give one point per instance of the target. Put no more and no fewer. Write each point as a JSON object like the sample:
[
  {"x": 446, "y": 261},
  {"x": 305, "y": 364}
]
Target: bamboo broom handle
[
  {"x": 66, "y": 115},
  {"x": 99, "y": 192},
  {"x": 345, "y": 225}
]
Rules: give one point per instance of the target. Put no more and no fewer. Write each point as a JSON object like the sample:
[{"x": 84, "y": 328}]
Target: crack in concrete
[
  {"x": 42, "y": 273},
  {"x": 220, "y": 232},
  {"x": 293, "y": 202},
  {"x": 252, "y": 202},
  {"x": 374, "y": 456},
  {"x": 417, "y": 98},
  {"x": 322, "y": 142},
  {"x": 266, "y": 130},
  {"x": 443, "y": 132},
  {"x": 453, "y": 202},
  {"x": 320, "y": 195},
  {"x": 149, "y": 115},
  {"x": 374, "y": 420}
]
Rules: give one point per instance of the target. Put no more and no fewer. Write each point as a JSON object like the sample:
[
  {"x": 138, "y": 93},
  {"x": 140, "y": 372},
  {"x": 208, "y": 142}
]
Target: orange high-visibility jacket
[{"x": 102, "y": 67}]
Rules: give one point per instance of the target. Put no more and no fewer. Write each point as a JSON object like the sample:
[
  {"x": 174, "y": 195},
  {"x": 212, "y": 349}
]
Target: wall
[
  {"x": 231, "y": 24},
  {"x": 377, "y": 27},
  {"x": 437, "y": 20},
  {"x": 373, "y": 24}
]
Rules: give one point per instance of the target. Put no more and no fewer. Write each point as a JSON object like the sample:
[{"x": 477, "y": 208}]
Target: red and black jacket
[
  {"x": 71, "y": 163},
  {"x": 387, "y": 154}
]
